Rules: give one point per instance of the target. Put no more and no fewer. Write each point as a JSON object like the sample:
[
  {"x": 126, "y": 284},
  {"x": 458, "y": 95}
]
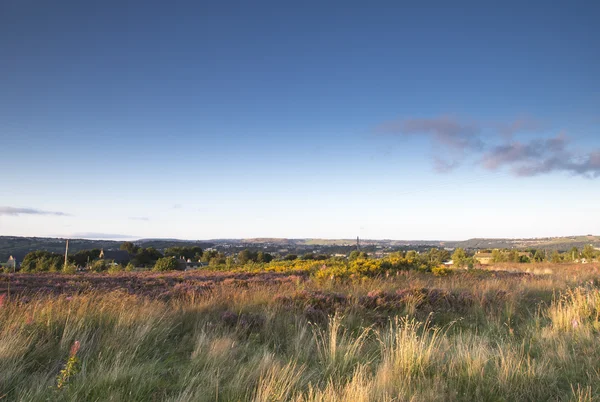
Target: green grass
[{"x": 469, "y": 336}]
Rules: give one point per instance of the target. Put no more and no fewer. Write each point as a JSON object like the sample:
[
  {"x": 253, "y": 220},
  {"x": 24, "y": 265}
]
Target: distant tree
[
  {"x": 81, "y": 258},
  {"x": 246, "y": 256},
  {"x": 192, "y": 253},
  {"x": 459, "y": 257},
  {"x": 354, "y": 255},
  {"x": 290, "y": 257},
  {"x": 498, "y": 256},
  {"x": 524, "y": 259},
  {"x": 589, "y": 252},
  {"x": 207, "y": 255},
  {"x": 131, "y": 248},
  {"x": 218, "y": 259},
  {"x": 513, "y": 256},
  {"x": 147, "y": 256},
  {"x": 556, "y": 257},
  {"x": 308, "y": 256},
  {"x": 539, "y": 256},
  {"x": 166, "y": 264},
  {"x": 42, "y": 261},
  {"x": 573, "y": 254},
  {"x": 264, "y": 257}
]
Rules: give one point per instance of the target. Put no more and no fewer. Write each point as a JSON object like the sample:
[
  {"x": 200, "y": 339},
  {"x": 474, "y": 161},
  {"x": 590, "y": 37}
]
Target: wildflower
[{"x": 72, "y": 367}]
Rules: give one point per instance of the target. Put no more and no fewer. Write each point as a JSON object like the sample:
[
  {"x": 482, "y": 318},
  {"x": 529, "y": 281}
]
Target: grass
[{"x": 486, "y": 335}]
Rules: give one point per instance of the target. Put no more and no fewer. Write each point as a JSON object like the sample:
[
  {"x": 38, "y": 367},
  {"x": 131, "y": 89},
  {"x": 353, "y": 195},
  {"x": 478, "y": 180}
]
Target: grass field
[{"x": 486, "y": 335}]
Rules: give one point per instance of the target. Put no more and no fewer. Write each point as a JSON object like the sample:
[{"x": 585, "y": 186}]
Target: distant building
[
  {"x": 186, "y": 265},
  {"x": 11, "y": 264},
  {"x": 483, "y": 258},
  {"x": 118, "y": 256}
]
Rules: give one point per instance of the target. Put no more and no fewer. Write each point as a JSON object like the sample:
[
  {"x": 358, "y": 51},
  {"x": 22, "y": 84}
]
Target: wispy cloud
[
  {"x": 445, "y": 130},
  {"x": 541, "y": 156},
  {"x": 520, "y": 124},
  {"x": 139, "y": 218},
  {"x": 12, "y": 211},
  {"x": 458, "y": 140}
]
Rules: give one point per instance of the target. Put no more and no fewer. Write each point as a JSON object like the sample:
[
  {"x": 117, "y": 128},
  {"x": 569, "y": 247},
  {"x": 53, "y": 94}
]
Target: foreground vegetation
[{"x": 469, "y": 335}]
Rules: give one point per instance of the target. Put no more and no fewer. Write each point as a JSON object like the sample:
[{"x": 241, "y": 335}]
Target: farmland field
[{"x": 503, "y": 333}]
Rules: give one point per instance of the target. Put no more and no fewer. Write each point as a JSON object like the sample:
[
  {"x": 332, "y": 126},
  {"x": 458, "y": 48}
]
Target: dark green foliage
[
  {"x": 146, "y": 257},
  {"x": 42, "y": 261},
  {"x": 166, "y": 264},
  {"x": 81, "y": 258},
  {"x": 131, "y": 248}
]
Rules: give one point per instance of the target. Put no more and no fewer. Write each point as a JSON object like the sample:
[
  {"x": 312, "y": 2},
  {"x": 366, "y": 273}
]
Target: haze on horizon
[{"x": 202, "y": 121}]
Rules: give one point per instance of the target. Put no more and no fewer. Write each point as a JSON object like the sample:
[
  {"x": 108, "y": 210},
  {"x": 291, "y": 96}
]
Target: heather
[{"x": 509, "y": 332}]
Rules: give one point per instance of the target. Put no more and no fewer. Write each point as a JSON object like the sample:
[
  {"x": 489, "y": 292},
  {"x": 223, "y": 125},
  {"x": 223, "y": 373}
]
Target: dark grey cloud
[{"x": 12, "y": 211}]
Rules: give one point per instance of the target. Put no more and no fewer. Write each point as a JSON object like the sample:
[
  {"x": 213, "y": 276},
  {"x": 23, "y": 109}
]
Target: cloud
[
  {"x": 444, "y": 130},
  {"x": 540, "y": 156},
  {"x": 520, "y": 124},
  {"x": 96, "y": 235},
  {"x": 458, "y": 140},
  {"x": 139, "y": 218},
  {"x": 11, "y": 211},
  {"x": 177, "y": 206}
]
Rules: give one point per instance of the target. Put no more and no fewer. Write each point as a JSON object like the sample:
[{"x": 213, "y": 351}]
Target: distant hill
[{"x": 20, "y": 246}]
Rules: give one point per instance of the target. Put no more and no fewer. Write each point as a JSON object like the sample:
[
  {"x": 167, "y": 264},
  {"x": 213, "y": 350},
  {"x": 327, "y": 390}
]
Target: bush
[
  {"x": 99, "y": 266},
  {"x": 165, "y": 264},
  {"x": 114, "y": 269},
  {"x": 441, "y": 270}
]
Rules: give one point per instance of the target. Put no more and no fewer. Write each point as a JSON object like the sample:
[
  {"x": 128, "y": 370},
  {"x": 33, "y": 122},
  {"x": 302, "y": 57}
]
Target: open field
[{"x": 488, "y": 335}]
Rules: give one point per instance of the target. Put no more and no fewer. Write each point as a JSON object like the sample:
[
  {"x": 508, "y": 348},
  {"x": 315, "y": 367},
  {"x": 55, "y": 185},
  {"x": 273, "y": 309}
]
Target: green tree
[
  {"x": 42, "y": 261},
  {"x": 246, "y": 256},
  {"x": 574, "y": 254},
  {"x": 459, "y": 257},
  {"x": 165, "y": 264},
  {"x": 589, "y": 252},
  {"x": 131, "y": 248},
  {"x": 264, "y": 257},
  {"x": 513, "y": 256},
  {"x": 147, "y": 256},
  {"x": 539, "y": 256},
  {"x": 556, "y": 257},
  {"x": 290, "y": 257}
]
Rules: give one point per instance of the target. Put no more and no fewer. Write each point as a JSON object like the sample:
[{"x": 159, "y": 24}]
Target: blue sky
[{"x": 264, "y": 119}]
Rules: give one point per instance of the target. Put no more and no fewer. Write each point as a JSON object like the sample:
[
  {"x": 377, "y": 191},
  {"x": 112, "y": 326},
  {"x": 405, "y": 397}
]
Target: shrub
[
  {"x": 165, "y": 264},
  {"x": 99, "y": 266}
]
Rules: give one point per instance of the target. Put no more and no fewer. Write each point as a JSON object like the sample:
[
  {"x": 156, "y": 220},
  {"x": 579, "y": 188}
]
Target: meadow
[{"x": 521, "y": 332}]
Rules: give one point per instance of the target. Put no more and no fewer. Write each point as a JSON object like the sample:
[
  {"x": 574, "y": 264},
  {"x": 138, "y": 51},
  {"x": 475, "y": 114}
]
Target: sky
[{"x": 384, "y": 120}]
